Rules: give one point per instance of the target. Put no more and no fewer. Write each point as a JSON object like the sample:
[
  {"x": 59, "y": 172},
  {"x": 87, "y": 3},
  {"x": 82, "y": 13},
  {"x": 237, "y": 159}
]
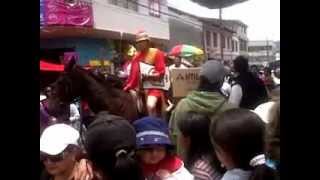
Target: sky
[{"x": 261, "y": 16}]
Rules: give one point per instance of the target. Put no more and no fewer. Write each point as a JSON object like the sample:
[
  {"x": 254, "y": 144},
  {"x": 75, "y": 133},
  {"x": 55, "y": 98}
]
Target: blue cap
[{"x": 151, "y": 131}]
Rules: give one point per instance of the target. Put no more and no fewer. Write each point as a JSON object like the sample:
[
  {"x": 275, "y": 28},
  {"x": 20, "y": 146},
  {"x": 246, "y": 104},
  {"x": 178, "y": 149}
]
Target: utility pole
[{"x": 221, "y": 33}]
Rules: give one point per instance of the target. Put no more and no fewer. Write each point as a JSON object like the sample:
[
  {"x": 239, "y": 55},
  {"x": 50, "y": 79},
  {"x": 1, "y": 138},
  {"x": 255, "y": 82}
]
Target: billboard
[{"x": 68, "y": 12}]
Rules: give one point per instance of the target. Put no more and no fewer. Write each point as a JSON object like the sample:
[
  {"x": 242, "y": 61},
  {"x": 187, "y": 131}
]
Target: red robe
[{"x": 154, "y": 57}]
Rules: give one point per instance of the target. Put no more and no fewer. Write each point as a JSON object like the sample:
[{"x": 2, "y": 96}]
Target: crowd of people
[{"x": 226, "y": 129}]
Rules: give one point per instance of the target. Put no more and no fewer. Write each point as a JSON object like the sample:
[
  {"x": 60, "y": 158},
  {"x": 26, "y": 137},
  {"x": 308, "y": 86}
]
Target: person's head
[
  {"x": 177, "y": 61},
  {"x": 238, "y": 137},
  {"x": 267, "y": 71},
  {"x": 153, "y": 142},
  {"x": 59, "y": 149},
  {"x": 254, "y": 69},
  {"x": 240, "y": 65},
  {"x": 110, "y": 145},
  {"x": 195, "y": 139},
  {"x": 212, "y": 75},
  {"x": 48, "y": 91},
  {"x": 142, "y": 41}
]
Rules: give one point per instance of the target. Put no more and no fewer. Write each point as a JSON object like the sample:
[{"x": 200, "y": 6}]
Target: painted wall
[
  {"x": 114, "y": 18},
  {"x": 87, "y": 48},
  {"x": 185, "y": 30}
]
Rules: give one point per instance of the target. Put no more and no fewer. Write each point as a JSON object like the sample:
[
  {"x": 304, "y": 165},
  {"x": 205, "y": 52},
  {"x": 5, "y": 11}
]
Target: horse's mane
[{"x": 107, "y": 85}]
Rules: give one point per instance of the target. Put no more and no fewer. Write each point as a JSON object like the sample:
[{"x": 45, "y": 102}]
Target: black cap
[{"x": 107, "y": 135}]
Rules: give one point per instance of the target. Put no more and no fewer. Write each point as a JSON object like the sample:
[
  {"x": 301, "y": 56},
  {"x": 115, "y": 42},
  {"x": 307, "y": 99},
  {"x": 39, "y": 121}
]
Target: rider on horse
[{"x": 153, "y": 57}]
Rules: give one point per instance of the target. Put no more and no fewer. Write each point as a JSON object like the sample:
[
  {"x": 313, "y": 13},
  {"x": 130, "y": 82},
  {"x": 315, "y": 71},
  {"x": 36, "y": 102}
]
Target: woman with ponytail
[
  {"x": 238, "y": 137},
  {"x": 110, "y": 144}
]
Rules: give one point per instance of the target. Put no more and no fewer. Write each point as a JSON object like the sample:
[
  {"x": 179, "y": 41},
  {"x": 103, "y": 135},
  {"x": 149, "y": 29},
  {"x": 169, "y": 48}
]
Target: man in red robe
[{"x": 150, "y": 56}]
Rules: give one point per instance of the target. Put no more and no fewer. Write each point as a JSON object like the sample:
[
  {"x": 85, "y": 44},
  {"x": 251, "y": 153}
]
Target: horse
[{"x": 100, "y": 94}]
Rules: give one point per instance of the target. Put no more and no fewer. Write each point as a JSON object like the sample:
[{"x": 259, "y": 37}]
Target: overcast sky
[{"x": 261, "y": 16}]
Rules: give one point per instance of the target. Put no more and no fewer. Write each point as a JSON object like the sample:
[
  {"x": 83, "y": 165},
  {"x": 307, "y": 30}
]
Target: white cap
[
  {"x": 57, "y": 137},
  {"x": 263, "y": 111}
]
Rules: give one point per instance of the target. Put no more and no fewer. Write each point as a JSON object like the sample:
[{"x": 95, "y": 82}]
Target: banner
[
  {"x": 164, "y": 83},
  {"x": 184, "y": 81},
  {"x": 68, "y": 12},
  {"x": 41, "y": 13}
]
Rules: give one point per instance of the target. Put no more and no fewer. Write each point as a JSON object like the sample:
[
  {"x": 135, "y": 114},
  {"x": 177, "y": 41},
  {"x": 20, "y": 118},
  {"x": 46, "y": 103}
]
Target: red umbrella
[{"x": 46, "y": 66}]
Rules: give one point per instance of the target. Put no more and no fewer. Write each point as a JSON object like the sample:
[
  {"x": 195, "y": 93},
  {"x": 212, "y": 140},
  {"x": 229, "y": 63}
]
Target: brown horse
[{"x": 101, "y": 95}]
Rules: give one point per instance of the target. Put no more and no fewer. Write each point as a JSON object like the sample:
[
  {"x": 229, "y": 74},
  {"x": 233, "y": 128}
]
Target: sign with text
[
  {"x": 147, "y": 69},
  {"x": 68, "y": 12},
  {"x": 184, "y": 80}
]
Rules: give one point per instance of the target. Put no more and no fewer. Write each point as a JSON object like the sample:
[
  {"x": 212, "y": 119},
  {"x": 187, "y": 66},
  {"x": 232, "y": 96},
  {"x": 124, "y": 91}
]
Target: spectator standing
[
  {"x": 247, "y": 90},
  {"x": 110, "y": 144},
  {"x": 238, "y": 137},
  {"x": 199, "y": 156},
  {"x": 206, "y": 100},
  {"x": 58, "y": 152}
]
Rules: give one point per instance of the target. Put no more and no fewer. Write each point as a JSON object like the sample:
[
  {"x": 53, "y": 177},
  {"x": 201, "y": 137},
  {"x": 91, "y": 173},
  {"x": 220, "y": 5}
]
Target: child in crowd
[
  {"x": 199, "y": 153},
  {"x": 110, "y": 144},
  {"x": 238, "y": 137},
  {"x": 154, "y": 151}
]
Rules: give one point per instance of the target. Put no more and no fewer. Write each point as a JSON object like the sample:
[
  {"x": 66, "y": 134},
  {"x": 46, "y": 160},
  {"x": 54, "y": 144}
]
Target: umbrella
[
  {"x": 216, "y": 4},
  {"x": 185, "y": 51}
]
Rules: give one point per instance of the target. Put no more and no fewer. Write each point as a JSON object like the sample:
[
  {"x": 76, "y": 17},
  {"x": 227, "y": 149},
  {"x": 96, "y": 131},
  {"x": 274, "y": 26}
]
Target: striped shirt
[{"x": 202, "y": 170}]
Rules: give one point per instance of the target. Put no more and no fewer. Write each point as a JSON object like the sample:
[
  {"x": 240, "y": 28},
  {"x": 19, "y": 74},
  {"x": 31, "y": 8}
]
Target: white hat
[
  {"x": 263, "y": 111},
  {"x": 57, "y": 137}
]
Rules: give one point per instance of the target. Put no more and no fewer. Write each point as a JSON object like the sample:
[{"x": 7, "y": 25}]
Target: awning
[{"x": 46, "y": 66}]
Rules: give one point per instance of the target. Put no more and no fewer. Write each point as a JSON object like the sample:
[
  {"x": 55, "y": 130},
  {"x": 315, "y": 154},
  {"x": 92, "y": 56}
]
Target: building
[
  {"x": 185, "y": 28},
  {"x": 261, "y": 52},
  {"x": 217, "y": 39},
  {"x": 99, "y": 29},
  {"x": 241, "y": 34}
]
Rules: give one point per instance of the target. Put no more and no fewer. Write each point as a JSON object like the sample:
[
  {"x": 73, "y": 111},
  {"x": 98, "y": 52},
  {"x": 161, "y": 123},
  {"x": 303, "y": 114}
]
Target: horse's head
[{"x": 67, "y": 87}]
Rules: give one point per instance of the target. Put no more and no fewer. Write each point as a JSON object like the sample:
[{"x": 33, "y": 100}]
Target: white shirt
[
  {"x": 235, "y": 95},
  {"x": 74, "y": 113}
]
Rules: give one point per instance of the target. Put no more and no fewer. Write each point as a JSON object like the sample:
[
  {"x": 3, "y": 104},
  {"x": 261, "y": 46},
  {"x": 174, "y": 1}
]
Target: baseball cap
[
  {"x": 151, "y": 131},
  {"x": 57, "y": 137},
  {"x": 213, "y": 70},
  {"x": 107, "y": 135}
]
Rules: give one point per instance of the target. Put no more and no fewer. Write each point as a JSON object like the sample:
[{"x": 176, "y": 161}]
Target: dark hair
[
  {"x": 205, "y": 85},
  {"x": 196, "y": 127},
  {"x": 110, "y": 145},
  {"x": 241, "y": 64},
  {"x": 240, "y": 133}
]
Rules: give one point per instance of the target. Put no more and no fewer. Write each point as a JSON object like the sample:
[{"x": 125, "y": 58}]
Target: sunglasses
[{"x": 54, "y": 159}]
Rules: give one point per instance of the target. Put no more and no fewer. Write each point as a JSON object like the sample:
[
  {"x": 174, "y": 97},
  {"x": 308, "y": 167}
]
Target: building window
[
  {"x": 215, "y": 39},
  {"x": 236, "y": 46},
  {"x": 208, "y": 39},
  {"x": 154, "y": 8},
  {"x": 232, "y": 46},
  {"x": 115, "y": 2},
  {"x": 133, "y": 4},
  {"x": 223, "y": 41},
  {"x": 228, "y": 43}
]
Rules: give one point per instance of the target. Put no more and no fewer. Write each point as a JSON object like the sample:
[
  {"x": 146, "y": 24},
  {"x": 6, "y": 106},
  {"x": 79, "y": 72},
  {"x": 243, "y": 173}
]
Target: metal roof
[{"x": 216, "y": 4}]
